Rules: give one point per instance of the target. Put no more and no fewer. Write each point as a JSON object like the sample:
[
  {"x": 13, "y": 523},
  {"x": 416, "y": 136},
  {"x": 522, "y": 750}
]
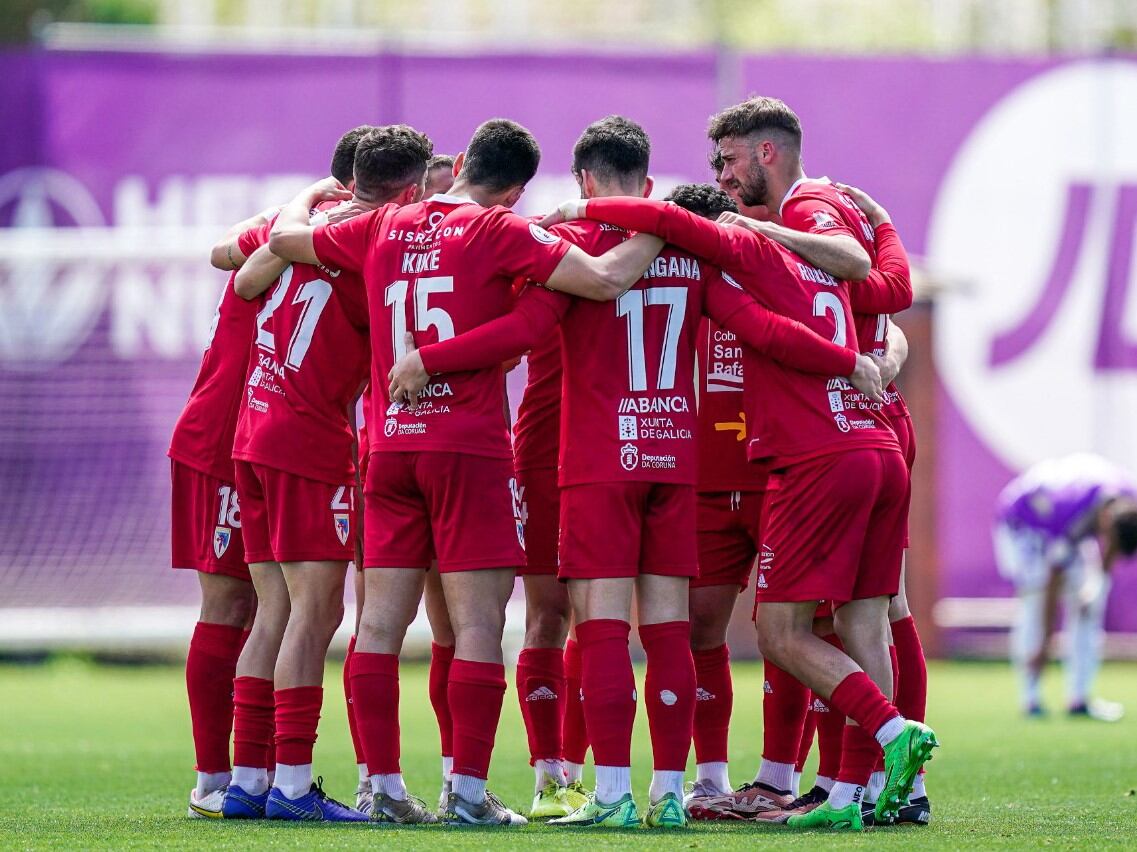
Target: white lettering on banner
[
  {"x": 1049, "y": 265},
  {"x": 157, "y": 298}
]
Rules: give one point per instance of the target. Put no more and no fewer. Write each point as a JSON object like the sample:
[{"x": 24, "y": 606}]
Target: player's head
[
  {"x": 759, "y": 141},
  {"x": 439, "y": 175},
  {"x": 702, "y": 199},
  {"x": 501, "y": 158},
  {"x": 1123, "y": 527},
  {"x": 611, "y": 158},
  {"x": 343, "y": 158},
  {"x": 390, "y": 165},
  {"x": 731, "y": 188}
]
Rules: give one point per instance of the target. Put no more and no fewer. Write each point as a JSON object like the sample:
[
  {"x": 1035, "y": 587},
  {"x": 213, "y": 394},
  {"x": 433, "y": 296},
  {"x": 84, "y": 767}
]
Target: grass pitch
[{"x": 100, "y": 757}]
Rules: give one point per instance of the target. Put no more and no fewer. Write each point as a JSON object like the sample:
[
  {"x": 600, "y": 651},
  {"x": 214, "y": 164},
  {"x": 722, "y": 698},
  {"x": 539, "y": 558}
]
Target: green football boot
[
  {"x": 576, "y": 794},
  {"x": 825, "y": 815},
  {"x": 668, "y": 812},
  {"x": 550, "y": 801},
  {"x": 597, "y": 814},
  {"x": 903, "y": 758}
]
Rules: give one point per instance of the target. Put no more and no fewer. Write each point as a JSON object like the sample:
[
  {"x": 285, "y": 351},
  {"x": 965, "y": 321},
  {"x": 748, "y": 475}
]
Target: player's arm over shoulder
[{"x": 817, "y": 233}]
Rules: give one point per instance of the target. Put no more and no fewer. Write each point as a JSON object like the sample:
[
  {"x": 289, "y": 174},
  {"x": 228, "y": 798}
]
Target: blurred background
[{"x": 136, "y": 131}]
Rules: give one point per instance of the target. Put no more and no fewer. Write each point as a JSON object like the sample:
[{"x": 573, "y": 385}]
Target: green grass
[{"x": 97, "y": 757}]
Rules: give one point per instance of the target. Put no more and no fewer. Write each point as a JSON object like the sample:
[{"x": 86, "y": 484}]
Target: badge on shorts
[
  {"x": 343, "y": 527},
  {"x": 221, "y": 538}
]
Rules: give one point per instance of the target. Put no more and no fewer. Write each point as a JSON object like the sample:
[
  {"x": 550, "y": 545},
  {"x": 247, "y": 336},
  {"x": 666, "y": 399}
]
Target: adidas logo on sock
[
  {"x": 702, "y": 695},
  {"x": 769, "y": 690},
  {"x": 819, "y": 706},
  {"x": 541, "y": 693}
]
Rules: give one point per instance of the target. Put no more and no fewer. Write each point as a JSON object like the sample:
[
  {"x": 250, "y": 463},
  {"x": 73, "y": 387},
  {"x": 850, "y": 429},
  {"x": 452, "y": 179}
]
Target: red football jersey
[
  {"x": 722, "y": 432},
  {"x": 792, "y": 416},
  {"x": 203, "y": 435},
  {"x": 818, "y": 207},
  {"x": 536, "y": 434},
  {"x": 309, "y": 364},
  {"x": 438, "y": 268}
]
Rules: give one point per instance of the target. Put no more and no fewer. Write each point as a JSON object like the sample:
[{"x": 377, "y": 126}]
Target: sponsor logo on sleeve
[{"x": 541, "y": 235}]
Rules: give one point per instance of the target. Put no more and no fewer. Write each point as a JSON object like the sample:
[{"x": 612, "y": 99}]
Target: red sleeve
[
  {"x": 888, "y": 289},
  {"x": 524, "y": 248},
  {"x": 535, "y": 314},
  {"x": 251, "y": 240},
  {"x": 814, "y": 216},
  {"x": 344, "y": 245},
  {"x": 722, "y": 246},
  {"x": 773, "y": 335}
]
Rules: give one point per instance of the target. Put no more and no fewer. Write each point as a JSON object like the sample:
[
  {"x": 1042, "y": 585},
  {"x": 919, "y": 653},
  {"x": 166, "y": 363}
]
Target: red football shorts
[
  {"x": 624, "y": 529},
  {"x": 289, "y": 518},
  {"x": 540, "y": 499},
  {"x": 834, "y": 529},
  {"x": 727, "y": 524},
  {"x": 205, "y": 533},
  {"x": 458, "y": 507}
]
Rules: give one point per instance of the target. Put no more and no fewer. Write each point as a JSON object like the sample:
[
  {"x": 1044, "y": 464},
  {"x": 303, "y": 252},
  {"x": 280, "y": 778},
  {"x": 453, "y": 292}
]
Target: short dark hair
[
  {"x": 702, "y": 198},
  {"x": 1125, "y": 526},
  {"x": 343, "y": 158},
  {"x": 715, "y": 161},
  {"x": 388, "y": 158},
  {"x": 501, "y": 154},
  {"x": 613, "y": 148},
  {"x": 756, "y": 115},
  {"x": 439, "y": 161}
]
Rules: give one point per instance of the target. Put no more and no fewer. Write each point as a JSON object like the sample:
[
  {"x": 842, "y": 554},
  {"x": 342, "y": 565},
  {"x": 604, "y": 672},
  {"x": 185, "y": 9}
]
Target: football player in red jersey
[
  {"x": 439, "y": 175},
  {"x": 440, "y": 480},
  {"x": 294, "y": 462},
  {"x": 771, "y": 174},
  {"x": 206, "y": 510},
  {"x": 631, "y": 474},
  {"x": 835, "y": 520}
]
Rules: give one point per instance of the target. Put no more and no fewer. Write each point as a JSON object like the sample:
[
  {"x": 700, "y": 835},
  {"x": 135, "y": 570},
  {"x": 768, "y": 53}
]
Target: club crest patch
[
  {"x": 343, "y": 526},
  {"x": 221, "y": 538}
]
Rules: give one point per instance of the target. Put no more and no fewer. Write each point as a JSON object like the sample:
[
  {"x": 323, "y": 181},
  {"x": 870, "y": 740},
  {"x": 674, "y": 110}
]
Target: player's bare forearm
[
  {"x": 291, "y": 236},
  {"x": 226, "y": 253},
  {"x": 838, "y": 254},
  {"x": 896, "y": 354},
  {"x": 258, "y": 273}
]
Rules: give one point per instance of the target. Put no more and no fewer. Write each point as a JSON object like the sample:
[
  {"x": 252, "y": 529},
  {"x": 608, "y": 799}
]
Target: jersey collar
[
  {"x": 445, "y": 198},
  {"x": 793, "y": 189}
]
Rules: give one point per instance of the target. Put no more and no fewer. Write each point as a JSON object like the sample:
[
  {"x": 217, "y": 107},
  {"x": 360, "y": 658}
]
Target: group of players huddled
[{"x": 709, "y": 387}]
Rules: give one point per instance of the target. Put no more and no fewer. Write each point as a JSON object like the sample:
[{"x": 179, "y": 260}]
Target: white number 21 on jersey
[{"x": 314, "y": 295}]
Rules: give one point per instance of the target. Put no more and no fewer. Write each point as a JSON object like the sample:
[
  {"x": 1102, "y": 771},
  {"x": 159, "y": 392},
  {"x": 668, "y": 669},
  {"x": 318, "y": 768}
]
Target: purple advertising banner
[{"x": 1027, "y": 223}]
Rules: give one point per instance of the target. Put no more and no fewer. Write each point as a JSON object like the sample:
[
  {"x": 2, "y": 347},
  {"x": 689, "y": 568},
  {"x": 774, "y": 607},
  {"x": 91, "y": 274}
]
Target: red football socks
[
  {"x": 441, "y": 657},
  {"x": 375, "y": 697},
  {"x": 609, "y": 689},
  {"x": 574, "y": 736},
  {"x": 210, "y": 667},
  {"x": 861, "y": 700},
  {"x": 356, "y": 743},
  {"x": 830, "y": 735},
  {"x": 895, "y": 671},
  {"x": 669, "y": 692},
  {"x": 911, "y": 697},
  {"x": 714, "y": 702},
  {"x": 807, "y": 734},
  {"x": 253, "y": 711},
  {"x": 541, "y": 692},
  {"x": 784, "y": 708},
  {"x": 859, "y": 756},
  {"x": 475, "y": 692},
  {"x": 297, "y": 717}
]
